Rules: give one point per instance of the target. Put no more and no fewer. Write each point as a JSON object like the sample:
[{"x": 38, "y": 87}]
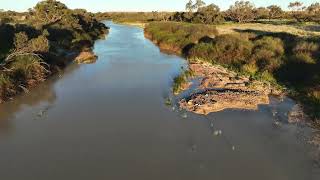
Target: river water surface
[{"x": 109, "y": 121}]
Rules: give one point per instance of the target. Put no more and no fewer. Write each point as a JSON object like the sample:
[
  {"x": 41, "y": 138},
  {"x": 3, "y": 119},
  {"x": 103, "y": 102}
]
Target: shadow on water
[{"x": 43, "y": 96}]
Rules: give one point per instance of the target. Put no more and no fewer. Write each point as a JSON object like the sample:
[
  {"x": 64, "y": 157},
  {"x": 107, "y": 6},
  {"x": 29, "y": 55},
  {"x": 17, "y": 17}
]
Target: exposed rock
[
  {"x": 86, "y": 57},
  {"x": 223, "y": 89}
]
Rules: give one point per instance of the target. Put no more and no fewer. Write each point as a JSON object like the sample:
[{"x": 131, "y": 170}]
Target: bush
[
  {"x": 306, "y": 47},
  {"x": 304, "y": 58},
  {"x": 266, "y": 76},
  {"x": 180, "y": 80},
  {"x": 268, "y": 53},
  {"x": 241, "y": 11},
  {"x": 178, "y": 34},
  {"x": 5, "y": 85},
  {"x": 228, "y": 49},
  {"x": 27, "y": 70},
  {"x": 250, "y": 69}
]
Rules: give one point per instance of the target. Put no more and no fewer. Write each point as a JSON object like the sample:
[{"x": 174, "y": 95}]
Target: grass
[
  {"x": 180, "y": 80},
  {"x": 295, "y": 29}
]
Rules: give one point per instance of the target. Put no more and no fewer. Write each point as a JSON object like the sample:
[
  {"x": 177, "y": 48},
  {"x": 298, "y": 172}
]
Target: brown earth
[{"x": 86, "y": 57}]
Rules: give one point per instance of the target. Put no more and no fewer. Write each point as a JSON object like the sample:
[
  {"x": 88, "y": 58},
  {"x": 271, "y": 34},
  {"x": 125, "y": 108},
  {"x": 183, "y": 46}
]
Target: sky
[{"x": 137, "y": 5}]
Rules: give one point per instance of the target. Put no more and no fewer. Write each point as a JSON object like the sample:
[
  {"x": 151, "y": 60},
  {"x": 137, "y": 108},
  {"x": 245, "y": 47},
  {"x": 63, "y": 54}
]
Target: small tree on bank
[
  {"x": 298, "y": 11},
  {"x": 199, "y": 4},
  {"x": 313, "y": 12},
  {"x": 275, "y": 12},
  {"x": 189, "y": 6},
  {"x": 208, "y": 15},
  {"x": 241, "y": 11}
]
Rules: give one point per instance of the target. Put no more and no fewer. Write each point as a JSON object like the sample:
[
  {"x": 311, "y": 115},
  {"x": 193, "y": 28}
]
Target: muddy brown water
[{"x": 109, "y": 120}]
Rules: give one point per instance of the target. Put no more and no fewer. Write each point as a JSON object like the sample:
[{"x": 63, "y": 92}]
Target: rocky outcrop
[
  {"x": 222, "y": 89},
  {"x": 86, "y": 57}
]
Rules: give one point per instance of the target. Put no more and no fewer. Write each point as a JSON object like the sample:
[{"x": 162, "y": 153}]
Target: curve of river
[{"x": 109, "y": 120}]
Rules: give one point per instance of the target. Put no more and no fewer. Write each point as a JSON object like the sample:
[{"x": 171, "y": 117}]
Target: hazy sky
[{"x": 136, "y": 5}]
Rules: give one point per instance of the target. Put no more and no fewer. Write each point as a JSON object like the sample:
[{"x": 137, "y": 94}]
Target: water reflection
[{"x": 43, "y": 95}]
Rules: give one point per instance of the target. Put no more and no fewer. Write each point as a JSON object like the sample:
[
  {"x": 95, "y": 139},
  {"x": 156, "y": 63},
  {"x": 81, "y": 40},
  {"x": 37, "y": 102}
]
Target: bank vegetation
[{"x": 37, "y": 43}]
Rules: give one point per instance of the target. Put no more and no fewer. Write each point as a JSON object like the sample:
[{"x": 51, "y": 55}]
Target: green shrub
[
  {"x": 5, "y": 85},
  {"x": 268, "y": 53},
  {"x": 266, "y": 76},
  {"x": 250, "y": 69},
  {"x": 178, "y": 34},
  {"x": 4, "y": 79},
  {"x": 27, "y": 70},
  {"x": 304, "y": 58},
  {"x": 228, "y": 49},
  {"x": 180, "y": 80},
  {"x": 305, "y": 47}
]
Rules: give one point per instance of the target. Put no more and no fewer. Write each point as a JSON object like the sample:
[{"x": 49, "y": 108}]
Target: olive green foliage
[
  {"x": 208, "y": 15},
  {"x": 178, "y": 34},
  {"x": 205, "y": 14},
  {"x": 261, "y": 13},
  {"x": 268, "y": 53},
  {"x": 134, "y": 16},
  {"x": 36, "y": 41},
  {"x": 180, "y": 80},
  {"x": 228, "y": 49}
]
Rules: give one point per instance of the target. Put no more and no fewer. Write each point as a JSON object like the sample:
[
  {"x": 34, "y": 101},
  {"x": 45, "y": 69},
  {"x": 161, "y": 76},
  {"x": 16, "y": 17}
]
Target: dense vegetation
[
  {"x": 242, "y": 11},
  {"x": 34, "y": 44},
  {"x": 178, "y": 37},
  {"x": 134, "y": 16},
  {"x": 278, "y": 58}
]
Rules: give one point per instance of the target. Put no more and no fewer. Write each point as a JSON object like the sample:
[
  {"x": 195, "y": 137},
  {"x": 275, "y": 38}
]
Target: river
[{"x": 109, "y": 120}]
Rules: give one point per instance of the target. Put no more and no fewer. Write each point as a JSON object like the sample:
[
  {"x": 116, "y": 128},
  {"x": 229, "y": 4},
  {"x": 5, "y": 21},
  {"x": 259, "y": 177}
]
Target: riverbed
[{"x": 110, "y": 120}]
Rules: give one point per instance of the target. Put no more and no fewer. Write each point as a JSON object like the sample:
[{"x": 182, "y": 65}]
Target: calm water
[{"x": 109, "y": 120}]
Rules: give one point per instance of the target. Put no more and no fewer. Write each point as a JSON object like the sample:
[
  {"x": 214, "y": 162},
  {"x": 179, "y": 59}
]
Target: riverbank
[
  {"x": 36, "y": 48},
  {"x": 271, "y": 59}
]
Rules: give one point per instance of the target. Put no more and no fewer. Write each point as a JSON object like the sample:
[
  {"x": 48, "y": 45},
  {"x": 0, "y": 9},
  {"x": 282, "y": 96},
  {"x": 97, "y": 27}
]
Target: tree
[
  {"x": 261, "y": 13},
  {"x": 189, "y": 6},
  {"x": 50, "y": 11},
  {"x": 32, "y": 47},
  {"x": 313, "y": 12},
  {"x": 296, "y": 6},
  {"x": 298, "y": 12},
  {"x": 275, "y": 12},
  {"x": 241, "y": 11},
  {"x": 199, "y": 4},
  {"x": 208, "y": 15}
]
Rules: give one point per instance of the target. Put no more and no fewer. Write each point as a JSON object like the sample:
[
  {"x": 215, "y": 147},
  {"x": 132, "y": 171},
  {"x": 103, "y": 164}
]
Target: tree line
[{"x": 245, "y": 11}]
